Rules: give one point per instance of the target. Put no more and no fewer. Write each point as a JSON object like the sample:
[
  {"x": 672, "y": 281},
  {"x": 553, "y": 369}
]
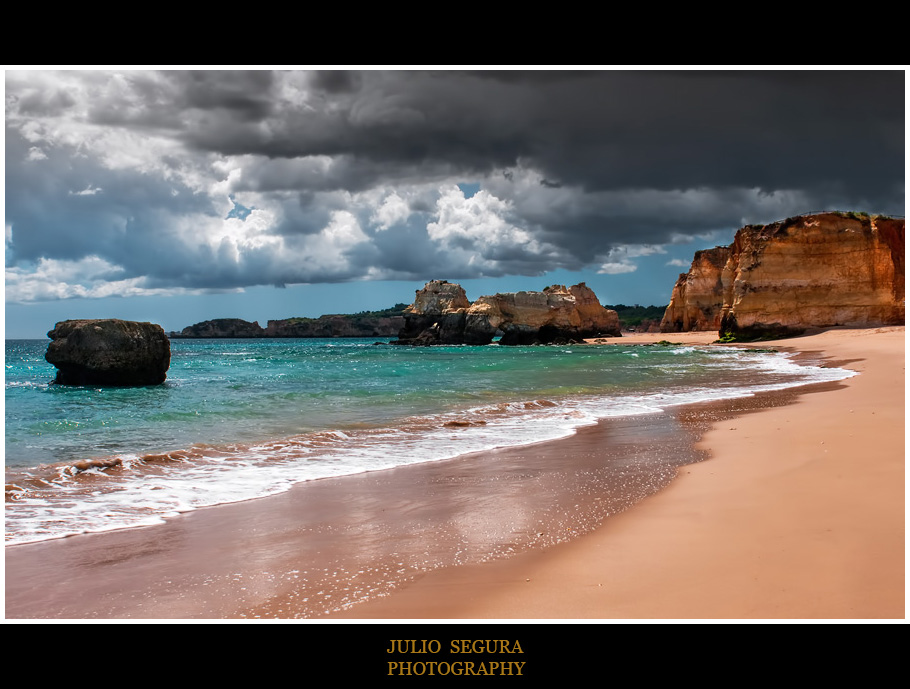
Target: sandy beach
[{"x": 796, "y": 512}]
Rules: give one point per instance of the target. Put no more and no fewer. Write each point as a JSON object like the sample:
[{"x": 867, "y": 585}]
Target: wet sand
[
  {"x": 330, "y": 543},
  {"x": 798, "y": 512}
]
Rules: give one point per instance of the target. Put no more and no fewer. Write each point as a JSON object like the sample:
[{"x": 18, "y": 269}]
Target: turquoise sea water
[{"x": 239, "y": 419}]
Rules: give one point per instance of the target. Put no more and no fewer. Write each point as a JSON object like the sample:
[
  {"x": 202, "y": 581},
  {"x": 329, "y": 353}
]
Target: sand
[{"x": 797, "y": 513}]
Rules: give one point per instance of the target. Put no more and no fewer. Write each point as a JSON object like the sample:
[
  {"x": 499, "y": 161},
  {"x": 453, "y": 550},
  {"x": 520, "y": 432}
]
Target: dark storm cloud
[
  {"x": 334, "y": 81},
  {"x": 352, "y": 173},
  {"x": 394, "y": 118},
  {"x": 597, "y": 130},
  {"x": 342, "y": 172},
  {"x": 247, "y": 94},
  {"x": 182, "y": 99}
]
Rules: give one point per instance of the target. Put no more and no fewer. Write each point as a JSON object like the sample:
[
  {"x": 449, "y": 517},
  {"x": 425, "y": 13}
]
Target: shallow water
[{"x": 239, "y": 419}]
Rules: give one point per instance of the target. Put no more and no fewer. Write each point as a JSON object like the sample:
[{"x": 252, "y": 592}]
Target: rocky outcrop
[
  {"x": 698, "y": 297},
  {"x": 441, "y": 314},
  {"x": 109, "y": 352},
  {"x": 817, "y": 270},
  {"x": 222, "y": 327},
  {"x": 439, "y": 297},
  {"x": 556, "y": 314},
  {"x": 811, "y": 271},
  {"x": 437, "y": 315}
]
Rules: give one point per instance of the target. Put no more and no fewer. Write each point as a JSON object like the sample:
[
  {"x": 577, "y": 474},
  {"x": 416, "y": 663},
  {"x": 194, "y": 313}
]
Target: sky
[{"x": 180, "y": 195}]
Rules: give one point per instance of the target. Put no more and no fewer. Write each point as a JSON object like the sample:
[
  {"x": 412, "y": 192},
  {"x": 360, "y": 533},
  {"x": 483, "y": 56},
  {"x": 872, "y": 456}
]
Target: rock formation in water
[
  {"x": 811, "y": 271},
  {"x": 698, "y": 297},
  {"x": 555, "y": 314},
  {"x": 441, "y": 314},
  {"x": 109, "y": 352},
  {"x": 437, "y": 315}
]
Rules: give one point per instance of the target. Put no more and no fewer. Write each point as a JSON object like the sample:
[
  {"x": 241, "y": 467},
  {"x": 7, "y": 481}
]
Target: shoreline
[
  {"x": 649, "y": 562},
  {"x": 803, "y": 523}
]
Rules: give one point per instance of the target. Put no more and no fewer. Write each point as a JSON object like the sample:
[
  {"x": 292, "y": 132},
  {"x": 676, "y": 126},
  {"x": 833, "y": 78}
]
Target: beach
[
  {"x": 788, "y": 505},
  {"x": 797, "y": 514}
]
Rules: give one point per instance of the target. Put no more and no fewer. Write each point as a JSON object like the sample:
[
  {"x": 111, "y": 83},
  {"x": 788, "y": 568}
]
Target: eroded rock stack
[
  {"x": 109, "y": 352},
  {"x": 437, "y": 315},
  {"x": 442, "y": 314}
]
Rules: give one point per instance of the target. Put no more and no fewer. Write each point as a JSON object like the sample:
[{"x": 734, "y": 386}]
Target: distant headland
[{"x": 383, "y": 323}]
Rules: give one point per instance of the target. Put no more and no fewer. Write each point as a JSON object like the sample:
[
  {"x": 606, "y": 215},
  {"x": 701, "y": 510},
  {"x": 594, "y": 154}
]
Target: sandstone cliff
[
  {"x": 816, "y": 270},
  {"x": 697, "y": 299},
  {"x": 441, "y": 314}
]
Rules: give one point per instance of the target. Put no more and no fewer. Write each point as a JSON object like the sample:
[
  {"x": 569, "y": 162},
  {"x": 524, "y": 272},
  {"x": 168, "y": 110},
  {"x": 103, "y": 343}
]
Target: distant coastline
[{"x": 383, "y": 323}]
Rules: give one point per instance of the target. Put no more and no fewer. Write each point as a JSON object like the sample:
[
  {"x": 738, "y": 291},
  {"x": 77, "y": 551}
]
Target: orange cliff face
[
  {"x": 811, "y": 271},
  {"x": 814, "y": 271},
  {"x": 698, "y": 296}
]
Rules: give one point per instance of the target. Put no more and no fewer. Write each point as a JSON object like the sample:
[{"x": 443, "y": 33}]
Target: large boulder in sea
[{"x": 109, "y": 352}]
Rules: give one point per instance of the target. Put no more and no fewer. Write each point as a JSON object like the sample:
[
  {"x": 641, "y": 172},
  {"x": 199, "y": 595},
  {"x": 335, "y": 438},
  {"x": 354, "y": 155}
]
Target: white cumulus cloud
[{"x": 393, "y": 210}]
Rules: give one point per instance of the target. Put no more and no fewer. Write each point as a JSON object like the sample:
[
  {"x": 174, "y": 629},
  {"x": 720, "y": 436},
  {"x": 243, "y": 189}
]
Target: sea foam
[{"x": 263, "y": 417}]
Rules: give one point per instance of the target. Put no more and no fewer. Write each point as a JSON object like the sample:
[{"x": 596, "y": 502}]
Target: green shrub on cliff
[{"x": 855, "y": 215}]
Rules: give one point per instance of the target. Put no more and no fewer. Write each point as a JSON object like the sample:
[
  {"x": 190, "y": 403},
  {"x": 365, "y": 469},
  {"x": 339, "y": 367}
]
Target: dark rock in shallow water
[{"x": 109, "y": 352}]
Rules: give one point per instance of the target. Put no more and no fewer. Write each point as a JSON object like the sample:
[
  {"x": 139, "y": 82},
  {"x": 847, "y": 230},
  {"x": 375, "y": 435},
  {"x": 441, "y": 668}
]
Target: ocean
[{"x": 246, "y": 418}]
